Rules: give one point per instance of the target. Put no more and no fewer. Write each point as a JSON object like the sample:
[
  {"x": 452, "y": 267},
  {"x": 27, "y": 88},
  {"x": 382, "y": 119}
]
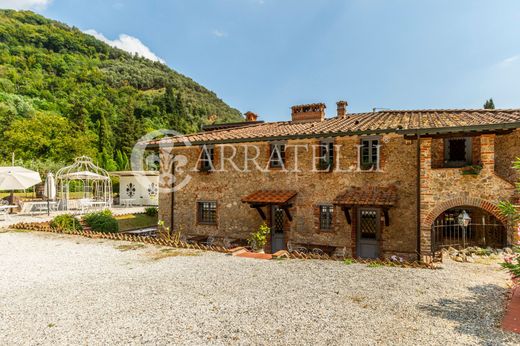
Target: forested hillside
[{"x": 64, "y": 93}]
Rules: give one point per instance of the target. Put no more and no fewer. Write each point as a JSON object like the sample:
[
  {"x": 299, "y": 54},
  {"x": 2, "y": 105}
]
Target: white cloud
[
  {"x": 219, "y": 33},
  {"x": 25, "y": 4},
  {"x": 128, "y": 43},
  {"x": 508, "y": 61}
]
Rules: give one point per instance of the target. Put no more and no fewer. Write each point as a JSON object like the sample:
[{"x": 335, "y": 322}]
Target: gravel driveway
[{"x": 58, "y": 289}]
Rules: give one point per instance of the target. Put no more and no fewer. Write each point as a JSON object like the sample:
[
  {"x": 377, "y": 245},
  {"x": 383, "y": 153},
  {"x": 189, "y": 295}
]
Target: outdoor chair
[
  {"x": 291, "y": 247},
  {"x": 227, "y": 243},
  {"x": 4, "y": 214},
  {"x": 209, "y": 241},
  {"x": 318, "y": 251}
]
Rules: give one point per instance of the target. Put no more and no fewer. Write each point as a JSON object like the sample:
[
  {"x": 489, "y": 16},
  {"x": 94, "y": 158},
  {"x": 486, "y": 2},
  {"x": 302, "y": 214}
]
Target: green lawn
[{"x": 135, "y": 221}]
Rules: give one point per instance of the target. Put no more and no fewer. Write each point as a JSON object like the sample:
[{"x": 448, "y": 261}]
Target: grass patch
[
  {"x": 349, "y": 261},
  {"x": 170, "y": 252},
  {"x": 374, "y": 265},
  {"x": 128, "y": 247},
  {"x": 136, "y": 221}
]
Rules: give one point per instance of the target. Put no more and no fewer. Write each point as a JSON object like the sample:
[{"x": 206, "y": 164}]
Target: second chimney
[
  {"x": 251, "y": 117},
  {"x": 342, "y": 109}
]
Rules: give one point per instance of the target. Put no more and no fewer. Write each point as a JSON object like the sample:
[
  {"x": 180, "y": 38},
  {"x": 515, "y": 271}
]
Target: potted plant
[
  {"x": 471, "y": 170},
  {"x": 258, "y": 239}
]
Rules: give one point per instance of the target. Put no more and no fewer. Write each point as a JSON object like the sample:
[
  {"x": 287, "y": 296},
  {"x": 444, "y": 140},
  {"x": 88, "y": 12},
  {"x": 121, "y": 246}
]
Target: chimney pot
[
  {"x": 308, "y": 113},
  {"x": 342, "y": 109},
  {"x": 251, "y": 117}
]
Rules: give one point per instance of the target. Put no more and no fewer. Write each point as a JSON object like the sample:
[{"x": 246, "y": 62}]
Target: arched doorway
[{"x": 484, "y": 229}]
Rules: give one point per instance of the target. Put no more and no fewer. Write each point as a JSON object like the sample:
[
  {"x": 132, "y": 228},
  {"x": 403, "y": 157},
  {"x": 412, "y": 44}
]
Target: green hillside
[{"x": 64, "y": 93}]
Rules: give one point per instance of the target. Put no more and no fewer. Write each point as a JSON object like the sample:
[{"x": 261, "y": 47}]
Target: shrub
[
  {"x": 102, "y": 221},
  {"x": 151, "y": 211},
  {"x": 66, "y": 223},
  {"x": 512, "y": 264},
  {"x": 258, "y": 239}
]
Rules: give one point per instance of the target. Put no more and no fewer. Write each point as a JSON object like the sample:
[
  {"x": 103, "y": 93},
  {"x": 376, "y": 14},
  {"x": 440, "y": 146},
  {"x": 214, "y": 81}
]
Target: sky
[{"x": 267, "y": 55}]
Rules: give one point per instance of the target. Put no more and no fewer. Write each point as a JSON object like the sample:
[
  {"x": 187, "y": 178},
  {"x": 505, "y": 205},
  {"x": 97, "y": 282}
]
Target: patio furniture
[
  {"x": 318, "y": 251},
  {"x": 4, "y": 211},
  {"x": 291, "y": 247},
  {"x": 228, "y": 243},
  {"x": 209, "y": 241},
  {"x": 128, "y": 202}
]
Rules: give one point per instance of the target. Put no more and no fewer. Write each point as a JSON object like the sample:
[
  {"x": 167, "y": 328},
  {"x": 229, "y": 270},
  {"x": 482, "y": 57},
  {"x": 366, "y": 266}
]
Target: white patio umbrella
[
  {"x": 49, "y": 190},
  {"x": 18, "y": 178}
]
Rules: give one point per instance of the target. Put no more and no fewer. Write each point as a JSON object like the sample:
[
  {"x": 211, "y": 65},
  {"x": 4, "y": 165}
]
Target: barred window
[
  {"x": 206, "y": 158},
  {"x": 326, "y": 212},
  {"x": 277, "y": 155},
  {"x": 207, "y": 213}
]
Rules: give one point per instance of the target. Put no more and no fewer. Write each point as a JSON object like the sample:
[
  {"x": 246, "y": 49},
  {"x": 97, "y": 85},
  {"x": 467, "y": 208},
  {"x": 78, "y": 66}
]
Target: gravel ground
[{"x": 58, "y": 289}]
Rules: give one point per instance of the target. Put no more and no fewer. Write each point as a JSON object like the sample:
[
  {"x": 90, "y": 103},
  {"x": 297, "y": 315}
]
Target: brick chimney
[
  {"x": 251, "y": 117},
  {"x": 342, "y": 109},
  {"x": 310, "y": 112}
]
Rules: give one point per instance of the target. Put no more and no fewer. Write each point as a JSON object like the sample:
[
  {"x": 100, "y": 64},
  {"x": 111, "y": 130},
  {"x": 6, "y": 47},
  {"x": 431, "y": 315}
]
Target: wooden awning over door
[
  {"x": 262, "y": 198},
  {"x": 383, "y": 197}
]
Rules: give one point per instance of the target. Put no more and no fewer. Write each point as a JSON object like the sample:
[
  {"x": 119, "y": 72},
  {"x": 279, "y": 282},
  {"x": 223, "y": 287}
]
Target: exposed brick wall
[{"x": 446, "y": 188}]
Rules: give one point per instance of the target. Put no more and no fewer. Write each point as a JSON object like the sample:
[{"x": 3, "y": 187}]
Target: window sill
[{"x": 206, "y": 224}]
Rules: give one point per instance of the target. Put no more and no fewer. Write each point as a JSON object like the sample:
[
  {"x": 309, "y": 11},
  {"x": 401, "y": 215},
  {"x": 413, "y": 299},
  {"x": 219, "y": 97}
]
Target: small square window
[
  {"x": 277, "y": 155},
  {"x": 207, "y": 213},
  {"x": 458, "y": 152},
  {"x": 326, "y": 213}
]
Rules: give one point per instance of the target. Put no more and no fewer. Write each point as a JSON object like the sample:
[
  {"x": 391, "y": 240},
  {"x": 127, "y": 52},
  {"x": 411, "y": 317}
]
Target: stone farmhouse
[{"x": 379, "y": 184}]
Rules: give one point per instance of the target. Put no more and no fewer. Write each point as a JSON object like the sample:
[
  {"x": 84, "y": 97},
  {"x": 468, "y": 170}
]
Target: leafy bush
[
  {"x": 66, "y": 223},
  {"x": 258, "y": 239},
  {"x": 512, "y": 264},
  {"x": 151, "y": 211},
  {"x": 102, "y": 221}
]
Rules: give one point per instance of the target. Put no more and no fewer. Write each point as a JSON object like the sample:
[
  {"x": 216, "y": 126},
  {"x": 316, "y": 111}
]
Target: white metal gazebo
[{"x": 91, "y": 181}]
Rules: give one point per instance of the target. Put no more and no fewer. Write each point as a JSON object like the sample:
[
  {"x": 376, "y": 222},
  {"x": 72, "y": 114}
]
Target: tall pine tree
[{"x": 489, "y": 104}]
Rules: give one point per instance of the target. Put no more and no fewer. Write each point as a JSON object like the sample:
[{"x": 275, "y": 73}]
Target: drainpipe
[
  {"x": 419, "y": 190},
  {"x": 172, "y": 194}
]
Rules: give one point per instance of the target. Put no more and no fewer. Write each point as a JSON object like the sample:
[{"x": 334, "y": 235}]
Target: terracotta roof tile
[
  {"x": 269, "y": 197},
  {"x": 374, "y": 122},
  {"x": 368, "y": 195}
]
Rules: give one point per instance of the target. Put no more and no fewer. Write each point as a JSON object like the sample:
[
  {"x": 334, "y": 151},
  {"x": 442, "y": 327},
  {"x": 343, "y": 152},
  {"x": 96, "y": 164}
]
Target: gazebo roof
[{"x": 82, "y": 169}]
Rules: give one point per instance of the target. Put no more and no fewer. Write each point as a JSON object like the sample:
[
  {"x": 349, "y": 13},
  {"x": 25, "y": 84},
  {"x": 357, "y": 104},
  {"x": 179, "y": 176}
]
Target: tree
[
  {"x": 489, "y": 104},
  {"x": 128, "y": 130},
  {"x": 48, "y": 136}
]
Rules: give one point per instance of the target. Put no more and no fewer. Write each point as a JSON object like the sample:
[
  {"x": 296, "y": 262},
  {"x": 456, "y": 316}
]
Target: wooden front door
[
  {"x": 368, "y": 232},
  {"x": 277, "y": 229}
]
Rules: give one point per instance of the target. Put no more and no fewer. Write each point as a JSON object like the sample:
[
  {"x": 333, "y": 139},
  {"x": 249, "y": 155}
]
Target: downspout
[
  {"x": 418, "y": 245},
  {"x": 172, "y": 194}
]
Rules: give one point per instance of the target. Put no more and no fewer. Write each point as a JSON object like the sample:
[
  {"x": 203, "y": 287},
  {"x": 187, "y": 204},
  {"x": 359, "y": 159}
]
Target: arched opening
[{"x": 483, "y": 229}]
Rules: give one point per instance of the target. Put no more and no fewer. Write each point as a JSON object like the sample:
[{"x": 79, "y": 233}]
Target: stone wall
[
  {"x": 238, "y": 220},
  {"x": 507, "y": 148}
]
